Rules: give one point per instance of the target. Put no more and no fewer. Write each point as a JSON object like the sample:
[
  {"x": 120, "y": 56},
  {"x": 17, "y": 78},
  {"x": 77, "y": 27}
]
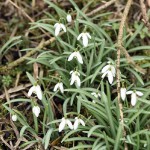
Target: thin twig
[
  {"x": 23, "y": 12},
  {"x": 1, "y": 137},
  {"x": 101, "y": 8},
  {"x": 144, "y": 14},
  {"x": 119, "y": 42},
  {"x": 23, "y": 58}
]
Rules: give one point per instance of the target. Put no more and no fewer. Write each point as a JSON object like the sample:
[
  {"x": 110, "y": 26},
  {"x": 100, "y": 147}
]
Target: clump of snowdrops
[{"x": 80, "y": 86}]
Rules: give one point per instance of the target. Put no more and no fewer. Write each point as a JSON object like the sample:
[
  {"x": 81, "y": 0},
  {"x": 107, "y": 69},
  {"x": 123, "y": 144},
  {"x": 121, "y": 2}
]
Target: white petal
[
  {"x": 110, "y": 77},
  {"x": 62, "y": 124},
  {"x": 139, "y": 93},
  {"x": 80, "y": 35},
  {"x": 56, "y": 24},
  {"x": 14, "y": 117},
  {"x": 133, "y": 99},
  {"x": 113, "y": 70},
  {"x": 105, "y": 69},
  {"x": 82, "y": 122},
  {"x": 63, "y": 27},
  {"x": 94, "y": 94},
  {"x": 57, "y": 29},
  {"x": 61, "y": 87},
  {"x": 69, "y": 124},
  {"x": 123, "y": 93},
  {"x": 93, "y": 101},
  {"x": 129, "y": 92},
  {"x": 39, "y": 92},
  {"x": 73, "y": 78},
  {"x": 76, "y": 123},
  {"x": 88, "y": 35},
  {"x": 99, "y": 94},
  {"x": 103, "y": 75},
  {"x": 69, "y": 18},
  {"x": 71, "y": 72},
  {"x": 78, "y": 81},
  {"x": 31, "y": 90},
  {"x": 85, "y": 40},
  {"x": 56, "y": 87},
  {"x": 36, "y": 110},
  {"x": 79, "y": 57},
  {"x": 71, "y": 56}
]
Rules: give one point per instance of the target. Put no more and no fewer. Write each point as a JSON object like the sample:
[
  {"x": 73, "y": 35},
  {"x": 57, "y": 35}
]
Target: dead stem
[
  {"x": 119, "y": 43},
  {"x": 145, "y": 17},
  {"x": 101, "y": 8}
]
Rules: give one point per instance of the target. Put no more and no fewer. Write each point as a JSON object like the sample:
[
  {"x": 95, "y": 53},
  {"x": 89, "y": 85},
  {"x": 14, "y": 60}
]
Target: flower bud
[{"x": 69, "y": 18}]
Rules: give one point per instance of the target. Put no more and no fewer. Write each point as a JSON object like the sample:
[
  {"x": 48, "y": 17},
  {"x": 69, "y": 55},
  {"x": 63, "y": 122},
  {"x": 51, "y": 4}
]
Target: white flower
[
  {"x": 123, "y": 93},
  {"x": 110, "y": 71},
  {"x": 76, "y": 55},
  {"x": 75, "y": 78},
  {"x": 134, "y": 95},
  {"x": 69, "y": 18},
  {"x": 85, "y": 37},
  {"x": 14, "y": 117},
  {"x": 59, "y": 86},
  {"x": 36, "y": 110},
  {"x": 77, "y": 122},
  {"x": 37, "y": 90},
  {"x": 95, "y": 95},
  {"x": 58, "y": 27},
  {"x": 64, "y": 122}
]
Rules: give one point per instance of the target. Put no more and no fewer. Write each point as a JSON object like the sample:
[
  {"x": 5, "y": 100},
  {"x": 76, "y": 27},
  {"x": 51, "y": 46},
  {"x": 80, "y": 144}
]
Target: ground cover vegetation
[{"x": 74, "y": 75}]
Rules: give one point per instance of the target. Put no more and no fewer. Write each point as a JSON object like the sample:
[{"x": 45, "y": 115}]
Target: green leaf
[
  {"x": 47, "y": 138},
  {"x": 32, "y": 80}
]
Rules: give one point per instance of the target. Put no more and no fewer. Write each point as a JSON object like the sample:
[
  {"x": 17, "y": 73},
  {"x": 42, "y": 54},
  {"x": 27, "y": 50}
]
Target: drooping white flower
[
  {"x": 75, "y": 78},
  {"x": 69, "y": 18},
  {"x": 64, "y": 122},
  {"x": 110, "y": 71},
  {"x": 77, "y": 122},
  {"x": 85, "y": 37},
  {"x": 59, "y": 86},
  {"x": 123, "y": 93},
  {"x": 37, "y": 90},
  {"x": 14, "y": 117},
  {"x": 134, "y": 95},
  {"x": 36, "y": 110},
  {"x": 95, "y": 95},
  {"x": 58, "y": 27},
  {"x": 76, "y": 55}
]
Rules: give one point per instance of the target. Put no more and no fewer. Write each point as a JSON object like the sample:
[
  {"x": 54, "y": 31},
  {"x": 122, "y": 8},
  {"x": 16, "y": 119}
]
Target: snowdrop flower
[
  {"x": 75, "y": 78},
  {"x": 64, "y": 122},
  {"x": 134, "y": 95},
  {"x": 59, "y": 86},
  {"x": 95, "y": 95},
  {"x": 58, "y": 27},
  {"x": 77, "y": 122},
  {"x": 36, "y": 110},
  {"x": 110, "y": 71},
  {"x": 14, "y": 117},
  {"x": 37, "y": 90},
  {"x": 85, "y": 37},
  {"x": 123, "y": 93},
  {"x": 76, "y": 55},
  {"x": 69, "y": 18}
]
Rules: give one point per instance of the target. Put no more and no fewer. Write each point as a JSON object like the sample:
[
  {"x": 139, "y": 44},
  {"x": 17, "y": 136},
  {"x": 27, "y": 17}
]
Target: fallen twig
[
  {"x": 15, "y": 89},
  {"x": 101, "y": 8},
  {"x": 144, "y": 14}
]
